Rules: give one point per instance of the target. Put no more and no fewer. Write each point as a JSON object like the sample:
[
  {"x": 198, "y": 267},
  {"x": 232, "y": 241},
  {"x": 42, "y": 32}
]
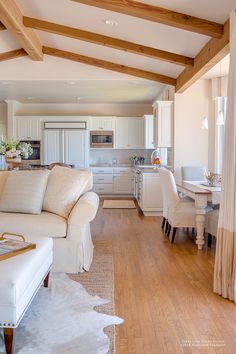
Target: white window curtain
[
  {"x": 220, "y": 114},
  {"x": 225, "y": 260}
]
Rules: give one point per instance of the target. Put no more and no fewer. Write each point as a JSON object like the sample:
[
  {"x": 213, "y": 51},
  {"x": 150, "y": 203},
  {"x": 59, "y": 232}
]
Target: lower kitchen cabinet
[
  {"x": 112, "y": 180},
  {"x": 150, "y": 194},
  {"x": 122, "y": 184}
]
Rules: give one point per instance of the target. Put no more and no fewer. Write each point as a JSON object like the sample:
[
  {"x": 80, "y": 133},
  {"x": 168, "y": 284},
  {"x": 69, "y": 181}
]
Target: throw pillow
[
  {"x": 3, "y": 178},
  {"x": 24, "y": 192},
  {"x": 65, "y": 185}
]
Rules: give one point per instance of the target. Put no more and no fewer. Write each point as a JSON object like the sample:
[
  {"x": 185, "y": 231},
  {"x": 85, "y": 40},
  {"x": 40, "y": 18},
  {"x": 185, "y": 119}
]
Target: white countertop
[{"x": 111, "y": 165}]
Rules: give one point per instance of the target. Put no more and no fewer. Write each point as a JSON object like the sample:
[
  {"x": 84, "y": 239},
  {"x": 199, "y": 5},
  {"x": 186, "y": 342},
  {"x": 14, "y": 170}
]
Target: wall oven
[
  {"x": 101, "y": 139},
  {"x": 35, "y": 157}
]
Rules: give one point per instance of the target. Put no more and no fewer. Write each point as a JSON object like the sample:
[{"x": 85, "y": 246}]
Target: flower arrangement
[
  {"x": 13, "y": 149},
  {"x": 137, "y": 160}
]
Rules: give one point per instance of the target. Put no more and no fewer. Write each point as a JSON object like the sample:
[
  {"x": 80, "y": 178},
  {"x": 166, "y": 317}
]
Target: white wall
[
  {"x": 191, "y": 142},
  {"x": 85, "y": 109}
]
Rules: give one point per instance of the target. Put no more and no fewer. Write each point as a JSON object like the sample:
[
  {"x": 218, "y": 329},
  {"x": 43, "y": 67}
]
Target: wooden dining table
[{"x": 201, "y": 194}]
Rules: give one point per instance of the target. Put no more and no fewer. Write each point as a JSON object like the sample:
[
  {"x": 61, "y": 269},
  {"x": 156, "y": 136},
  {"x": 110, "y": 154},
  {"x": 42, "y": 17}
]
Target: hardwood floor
[{"x": 163, "y": 291}]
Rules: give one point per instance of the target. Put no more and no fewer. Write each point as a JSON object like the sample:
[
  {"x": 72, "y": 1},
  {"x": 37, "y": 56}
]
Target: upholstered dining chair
[
  {"x": 50, "y": 167},
  {"x": 211, "y": 225},
  {"x": 193, "y": 173},
  {"x": 179, "y": 212}
]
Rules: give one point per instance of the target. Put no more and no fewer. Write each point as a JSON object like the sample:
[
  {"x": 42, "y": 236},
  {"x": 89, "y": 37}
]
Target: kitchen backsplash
[{"x": 103, "y": 156}]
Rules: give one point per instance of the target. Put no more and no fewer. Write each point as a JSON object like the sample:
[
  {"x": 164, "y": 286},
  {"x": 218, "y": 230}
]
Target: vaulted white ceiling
[{"x": 128, "y": 28}]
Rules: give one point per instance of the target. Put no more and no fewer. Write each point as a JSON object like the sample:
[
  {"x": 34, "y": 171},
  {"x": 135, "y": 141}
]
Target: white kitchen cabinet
[
  {"x": 28, "y": 128},
  {"x": 123, "y": 184},
  {"x": 163, "y": 123},
  {"x": 123, "y": 180},
  {"x": 52, "y": 151},
  {"x": 112, "y": 180},
  {"x": 129, "y": 133},
  {"x": 102, "y": 180},
  {"x": 150, "y": 194},
  {"x": 102, "y": 123},
  {"x": 148, "y": 131},
  {"x": 66, "y": 146},
  {"x": 76, "y": 148}
]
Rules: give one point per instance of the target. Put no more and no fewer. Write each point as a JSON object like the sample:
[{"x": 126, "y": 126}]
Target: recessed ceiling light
[
  {"x": 79, "y": 98},
  {"x": 5, "y": 82},
  {"x": 110, "y": 22},
  {"x": 70, "y": 82}
]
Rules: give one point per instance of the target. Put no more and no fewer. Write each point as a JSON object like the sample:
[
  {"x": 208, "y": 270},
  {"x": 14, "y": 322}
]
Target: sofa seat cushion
[
  {"x": 44, "y": 224},
  {"x": 20, "y": 277},
  {"x": 65, "y": 186},
  {"x": 24, "y": 192}
]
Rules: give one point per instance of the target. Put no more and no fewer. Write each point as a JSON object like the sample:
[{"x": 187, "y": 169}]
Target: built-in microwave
[{"x": 101, "y": 139}]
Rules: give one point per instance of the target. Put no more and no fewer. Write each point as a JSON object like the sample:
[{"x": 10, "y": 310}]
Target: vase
[{"x": 155, "y": 158}]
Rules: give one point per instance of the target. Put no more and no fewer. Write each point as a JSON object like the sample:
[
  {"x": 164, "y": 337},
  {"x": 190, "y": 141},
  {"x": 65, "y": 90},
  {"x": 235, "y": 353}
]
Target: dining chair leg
[
  {"x": 163, "y": 222},
  {"x": 209, "y": 240},
  {"x": 169, "y": 230},
  {"x": 166, "y": 226},
  {"x": 173, "y": 234}
]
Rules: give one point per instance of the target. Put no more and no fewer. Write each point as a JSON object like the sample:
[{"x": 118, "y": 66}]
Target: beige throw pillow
[
  {"x": 24, "y": 192},
  {"x": 3, "y": 178},
  {"x": 65, "y": 185}
]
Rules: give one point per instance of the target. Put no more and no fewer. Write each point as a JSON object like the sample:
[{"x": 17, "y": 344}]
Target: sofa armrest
[{"x": 83, "y": 212}]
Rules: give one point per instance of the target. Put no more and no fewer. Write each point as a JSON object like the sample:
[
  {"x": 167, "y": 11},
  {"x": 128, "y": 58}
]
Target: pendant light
[{"x": 205, "y": 123}]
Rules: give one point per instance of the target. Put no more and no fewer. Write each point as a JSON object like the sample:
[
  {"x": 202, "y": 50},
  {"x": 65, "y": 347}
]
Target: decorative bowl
[{"x": 213, "y": 179}]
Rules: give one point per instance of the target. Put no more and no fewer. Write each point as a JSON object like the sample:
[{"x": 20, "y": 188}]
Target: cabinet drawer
[
  {"x": 122, "y": 170},
  {"x": 103, "y": 188},
  {"x": 102, "y": 178},
  {"x": 101, "y": 170}
]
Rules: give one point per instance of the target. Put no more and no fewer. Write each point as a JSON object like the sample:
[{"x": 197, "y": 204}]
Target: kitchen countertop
[{"x": 111, "y": 165}]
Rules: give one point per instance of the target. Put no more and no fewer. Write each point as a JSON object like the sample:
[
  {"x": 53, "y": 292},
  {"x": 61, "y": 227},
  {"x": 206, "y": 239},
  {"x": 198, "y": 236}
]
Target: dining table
[{"x": 202, "y": 194}]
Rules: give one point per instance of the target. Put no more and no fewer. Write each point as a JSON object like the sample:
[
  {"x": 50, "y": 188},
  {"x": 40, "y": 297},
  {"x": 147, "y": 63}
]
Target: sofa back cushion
[
  {"x": 24, "y": 192},
  {"x": 65, "y": 185},
  {"x": 3, "y": 178}
]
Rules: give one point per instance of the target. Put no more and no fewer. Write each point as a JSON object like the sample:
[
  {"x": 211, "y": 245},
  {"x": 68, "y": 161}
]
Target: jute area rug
[
  {"x": 118, "y": 204},
  {"x": 100, "y": 281}
]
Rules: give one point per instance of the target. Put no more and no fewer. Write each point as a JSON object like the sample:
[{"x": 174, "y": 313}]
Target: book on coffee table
[{"x": 10, "y": 247}]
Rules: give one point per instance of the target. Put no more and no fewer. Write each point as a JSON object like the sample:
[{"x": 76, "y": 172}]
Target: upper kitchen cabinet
[
  {"x": 148, "y": 131},
  {"x": 129, "y": 133},
  {"x": 102, "y": 123},
  {"x": 28, "y": 128},
  {"x": 163, "y": 124}
]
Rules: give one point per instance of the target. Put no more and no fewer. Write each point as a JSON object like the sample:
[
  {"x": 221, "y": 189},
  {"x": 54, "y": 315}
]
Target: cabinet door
[
  {"x": 135, "y": 133},
  {"x": 148, "y": 131},
  {"x": 121, "y": 133},
  {"x": 35, "y": 128},
  {"x": 163, "y": 124},
  {"x": 76, "y": 148},
  {"x": 96, "y": 123},
  {"x": 22, "y": 128},
  {"x": 151, "y": 192},
  {"x": 108, "y": 123},
  {"x": 52, "y": 147},
  {"x": 102, "y": 123},
  {"x": 122, "y": 184}
]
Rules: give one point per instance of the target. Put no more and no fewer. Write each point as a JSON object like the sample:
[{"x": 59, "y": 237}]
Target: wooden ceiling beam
[
  {"x": 109, "y": 65},
  {"x": 13, "y": 54},
  {"x": 2, "y": 27},
  {"x": 209, "y": 56},
  {"x": 107, "y": 41},
  {"x": 160, "y": 15},
  {"x": 12, "y": 19}
]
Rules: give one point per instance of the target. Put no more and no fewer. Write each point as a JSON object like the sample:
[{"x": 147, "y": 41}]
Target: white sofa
[{"x": 72, "y": 243}]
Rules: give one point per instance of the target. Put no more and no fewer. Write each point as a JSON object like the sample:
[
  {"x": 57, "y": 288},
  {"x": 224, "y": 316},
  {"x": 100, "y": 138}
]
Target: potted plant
[{"x": 14, "y": 150}]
